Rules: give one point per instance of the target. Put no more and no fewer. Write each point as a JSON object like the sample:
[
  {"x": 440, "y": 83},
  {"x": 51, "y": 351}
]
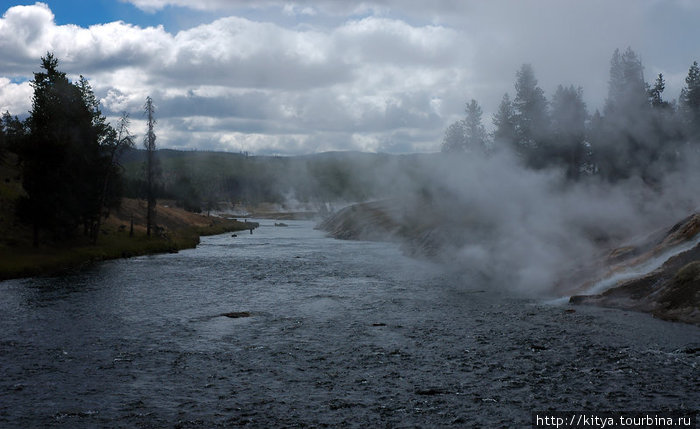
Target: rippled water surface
[{"x": 340, "y": 333}]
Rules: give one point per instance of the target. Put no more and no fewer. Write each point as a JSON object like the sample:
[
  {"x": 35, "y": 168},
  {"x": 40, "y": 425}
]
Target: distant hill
[{"x": 197, "y": 179}]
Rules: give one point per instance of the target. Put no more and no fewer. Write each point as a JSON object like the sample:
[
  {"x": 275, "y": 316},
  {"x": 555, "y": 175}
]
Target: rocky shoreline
[{"x": 669, "y": 292}]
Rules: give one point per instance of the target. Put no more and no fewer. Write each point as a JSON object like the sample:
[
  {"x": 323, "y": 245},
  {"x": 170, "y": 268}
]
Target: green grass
[{"x": 26, "y": 261}]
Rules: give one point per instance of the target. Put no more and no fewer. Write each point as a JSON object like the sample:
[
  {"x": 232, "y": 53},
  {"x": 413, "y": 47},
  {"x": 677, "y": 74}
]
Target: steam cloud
[{"x": 531, "y": 231}]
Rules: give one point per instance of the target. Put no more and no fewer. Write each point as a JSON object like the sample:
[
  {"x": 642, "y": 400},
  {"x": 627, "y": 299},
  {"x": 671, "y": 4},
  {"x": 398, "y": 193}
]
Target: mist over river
[{"x": 341, "y": 333}]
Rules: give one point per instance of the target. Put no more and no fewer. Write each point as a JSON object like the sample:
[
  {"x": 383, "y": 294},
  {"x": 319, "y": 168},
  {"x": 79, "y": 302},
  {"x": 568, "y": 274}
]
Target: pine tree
[
  {"x": 12, "y": 131},
  {"x": 63, "y": 156},
  {"x": 531, "y": 117},
  {"x": 655, "y": 98},
  {"x": 468, "y": 134},
  {"x": 51, "y": 156},
  {"x": 627, "y": 91},
  {"x": 454, "y": 139},
  {"x": 113, "y": 146},
  {"x": 95, "y": 163},
  {"x": 615, "y": 83},
  {"x": 596, "y": 138},
  {"x": 690, "y": 103},
  {"x": 504, "y": 121},
  {"x": 474, "y": 131},
  {"x": 569, "y": 128},
  {"x": 629, "y": 144}
]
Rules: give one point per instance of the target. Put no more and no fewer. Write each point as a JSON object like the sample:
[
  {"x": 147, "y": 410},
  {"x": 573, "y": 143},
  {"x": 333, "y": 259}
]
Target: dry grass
[{"x": 181, "y": 230}]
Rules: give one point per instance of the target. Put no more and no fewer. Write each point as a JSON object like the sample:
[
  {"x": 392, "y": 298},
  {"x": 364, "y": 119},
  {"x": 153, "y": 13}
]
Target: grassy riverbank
[{"x": 180, "y": 230}]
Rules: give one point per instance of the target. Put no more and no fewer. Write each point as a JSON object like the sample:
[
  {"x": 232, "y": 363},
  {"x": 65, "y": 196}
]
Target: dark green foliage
[
  {"x": 186, "y": 194},
  {"x": 627, "y": 92},
  {"x": 690, "y": 103},
  {"x": 474, "y": 130},
  {"x": 531, "y": 118},
  {"x": 13, "y": 132},
  {"x": 59, "y": 122},
  {"x": 65, "y": 157},
  {"x": 637, "y": 134},
  {"x": 454, "y": 139},
  {"x": 569, "y": 130},
  {"x": 239, "y": 179},
  {"x": 3, "y": 143},
  {"x": 4, "y": 140},
  {"x": 655, "y": 98},
  {"x": 504, "y": 121},
  {"x": 467, "y": 135},
  {"x": 111, "y": 182}
]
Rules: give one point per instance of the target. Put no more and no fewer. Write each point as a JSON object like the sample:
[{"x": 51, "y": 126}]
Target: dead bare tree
[{"x": 151, "y": 166}]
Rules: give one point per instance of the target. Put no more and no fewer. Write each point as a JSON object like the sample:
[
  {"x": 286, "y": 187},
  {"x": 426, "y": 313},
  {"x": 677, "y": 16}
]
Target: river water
[{"x": 340, "y": 333}]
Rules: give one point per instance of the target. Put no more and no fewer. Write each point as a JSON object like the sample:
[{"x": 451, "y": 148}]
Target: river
[{"x": 339, "y": 333}]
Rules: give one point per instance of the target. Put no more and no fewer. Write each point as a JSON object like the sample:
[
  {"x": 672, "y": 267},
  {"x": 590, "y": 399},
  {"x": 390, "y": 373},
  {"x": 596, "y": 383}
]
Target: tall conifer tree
[
  {"x": 151, "y": 166},
  {"x": 690, "y": 102}
]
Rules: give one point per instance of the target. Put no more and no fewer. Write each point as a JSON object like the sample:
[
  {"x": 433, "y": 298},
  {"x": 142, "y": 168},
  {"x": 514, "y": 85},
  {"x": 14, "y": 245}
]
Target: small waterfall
[{"x": 640, "y": 269}]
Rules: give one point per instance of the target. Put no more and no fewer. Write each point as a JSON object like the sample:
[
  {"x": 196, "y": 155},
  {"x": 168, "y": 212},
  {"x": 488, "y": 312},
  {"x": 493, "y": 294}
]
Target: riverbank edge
[
  {"x": 177, "y": 230},
  {"x": 48, "y": 261}
]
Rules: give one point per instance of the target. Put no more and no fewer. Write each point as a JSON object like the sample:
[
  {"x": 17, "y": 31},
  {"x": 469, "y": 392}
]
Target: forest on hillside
[{"x": 198, "y": 180}]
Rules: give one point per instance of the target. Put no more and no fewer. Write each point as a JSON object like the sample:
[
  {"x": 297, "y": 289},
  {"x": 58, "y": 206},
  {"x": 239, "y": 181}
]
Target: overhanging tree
[
  {"x": 96, "y": 164},
  {"x": 113, "y": 146}
]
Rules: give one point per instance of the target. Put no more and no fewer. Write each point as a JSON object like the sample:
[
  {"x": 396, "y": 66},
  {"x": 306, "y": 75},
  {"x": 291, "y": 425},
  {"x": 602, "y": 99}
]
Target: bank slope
[
  {"x": 670, "y": 289},
  {"x": 177, "y": 229}
]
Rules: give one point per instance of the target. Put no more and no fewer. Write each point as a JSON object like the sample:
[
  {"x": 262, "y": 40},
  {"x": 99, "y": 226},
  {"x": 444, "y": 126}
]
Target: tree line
[
  {"x": 68, "y": 155},
  {"x": 638, "y": 133}
]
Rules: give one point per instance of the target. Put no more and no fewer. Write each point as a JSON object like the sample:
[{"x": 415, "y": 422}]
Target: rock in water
[{"x": 236, "y": 314}]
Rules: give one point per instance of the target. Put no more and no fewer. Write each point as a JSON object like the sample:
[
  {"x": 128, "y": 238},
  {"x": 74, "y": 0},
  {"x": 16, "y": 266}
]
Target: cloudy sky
[{"x": 294, "y": 77}]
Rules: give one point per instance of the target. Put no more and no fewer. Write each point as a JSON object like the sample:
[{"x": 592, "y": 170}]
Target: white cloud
[
  {"x": 29, "y": 32},
  {"x": 378, "y": 75},
  {"x": 296, "y": 10},
  {"x": 22, "y": 32},
  {"x": 382, "y": 40},
  {"x": 15, "y": 97},
  {"x": 304, "y": 7},
  {"x": 242, "y": 53}
]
